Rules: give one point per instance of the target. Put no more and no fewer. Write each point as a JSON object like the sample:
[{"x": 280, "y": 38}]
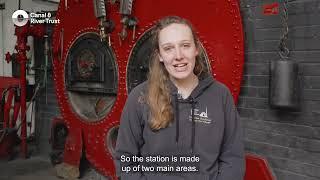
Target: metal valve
[
  {"x": 8, "y": 57},
  {"x": 128, "y": 22},
  {"x": 108, "y": 28},
  {"x": 105, "y": 26}
]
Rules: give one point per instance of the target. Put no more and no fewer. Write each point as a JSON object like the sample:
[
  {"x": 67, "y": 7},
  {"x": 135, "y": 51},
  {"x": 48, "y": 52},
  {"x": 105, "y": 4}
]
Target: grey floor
[
  {"x": 33, "y": 168},
  {"x": 37, "y": 167}
]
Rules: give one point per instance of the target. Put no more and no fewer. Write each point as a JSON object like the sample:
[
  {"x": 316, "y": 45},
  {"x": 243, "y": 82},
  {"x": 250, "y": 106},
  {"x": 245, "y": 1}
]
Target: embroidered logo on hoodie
[{"x": 200, "y": 116}]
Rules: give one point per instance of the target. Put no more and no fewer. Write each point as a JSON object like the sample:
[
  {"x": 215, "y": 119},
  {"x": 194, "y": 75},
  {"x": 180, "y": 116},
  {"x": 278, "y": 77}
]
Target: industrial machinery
[
  {"x": 100, "y": 56},
  {"x": 101, "y": 51},
  {"x": 14, "y": 93}
]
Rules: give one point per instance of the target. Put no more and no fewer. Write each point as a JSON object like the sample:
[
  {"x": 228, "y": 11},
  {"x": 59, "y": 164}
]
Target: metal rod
[
  {"x": 46, "y": 57},
  {"x": 23, "y": 84}
]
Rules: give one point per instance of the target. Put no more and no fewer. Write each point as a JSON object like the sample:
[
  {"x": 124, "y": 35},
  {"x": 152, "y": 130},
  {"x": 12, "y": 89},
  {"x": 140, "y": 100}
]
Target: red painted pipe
[{"x": 22, "y": 34}]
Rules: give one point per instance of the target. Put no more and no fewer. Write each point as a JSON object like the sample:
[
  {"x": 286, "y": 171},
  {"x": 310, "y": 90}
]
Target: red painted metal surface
[
  {"x": 7, "y": 119},
  {"x": 218, "y": 24},
  {"x": 8, "y": 88},
  {"x": 257, "y": 168},
  {"x": 6, "y": 82},
  {"x": 8, "y": 138}
]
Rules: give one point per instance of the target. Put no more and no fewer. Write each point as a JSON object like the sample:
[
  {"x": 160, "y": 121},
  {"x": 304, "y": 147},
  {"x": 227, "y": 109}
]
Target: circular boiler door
[
  {"x": 138, "y": 66},
  {"x": 91, "y": 77}
]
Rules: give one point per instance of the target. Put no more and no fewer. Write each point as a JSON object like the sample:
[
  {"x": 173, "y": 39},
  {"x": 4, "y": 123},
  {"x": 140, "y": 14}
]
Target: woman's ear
[
  {"x": 198, "y": 48},
  {"x": 197, "y": 51},
  {"x": 160, "y": 58}
]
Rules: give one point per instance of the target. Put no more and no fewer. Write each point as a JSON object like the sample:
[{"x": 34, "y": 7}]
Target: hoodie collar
[{"x": 204, "y": 82}]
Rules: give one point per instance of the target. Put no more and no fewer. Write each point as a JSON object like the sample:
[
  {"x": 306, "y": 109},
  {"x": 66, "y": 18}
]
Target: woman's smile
[{"x": 180, "y": 67}]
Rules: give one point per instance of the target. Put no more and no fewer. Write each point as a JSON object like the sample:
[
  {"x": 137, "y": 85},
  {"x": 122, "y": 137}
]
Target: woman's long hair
[{"x": 158, "y": 92}]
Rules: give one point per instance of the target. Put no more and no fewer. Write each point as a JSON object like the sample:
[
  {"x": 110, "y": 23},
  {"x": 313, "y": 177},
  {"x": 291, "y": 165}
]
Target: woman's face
[{"x": 178, "y": 51}]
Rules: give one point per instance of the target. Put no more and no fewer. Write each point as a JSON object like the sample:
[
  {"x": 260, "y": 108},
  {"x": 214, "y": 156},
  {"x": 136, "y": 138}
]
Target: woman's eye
[
  {"x": 186, "y": 45},
  {"x": 167, "y": 48}
]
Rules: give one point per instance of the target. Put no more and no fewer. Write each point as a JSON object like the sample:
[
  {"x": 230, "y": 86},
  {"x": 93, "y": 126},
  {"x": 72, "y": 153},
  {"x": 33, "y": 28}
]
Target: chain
[{"x": 283, "y": 49}]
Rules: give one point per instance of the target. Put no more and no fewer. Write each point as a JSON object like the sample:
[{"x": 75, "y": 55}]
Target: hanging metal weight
[
  {"x": 284, "y": 80},
  {"x": 284, "y": 84}
]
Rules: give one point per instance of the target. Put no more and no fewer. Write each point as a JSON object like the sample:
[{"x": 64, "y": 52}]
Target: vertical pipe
[
  {"x": 46, "y": 59},
  {"x": 23, "y": 84}
]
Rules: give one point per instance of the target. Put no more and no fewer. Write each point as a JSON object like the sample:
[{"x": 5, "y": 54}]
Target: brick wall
[{"x": 289, "y": 140}]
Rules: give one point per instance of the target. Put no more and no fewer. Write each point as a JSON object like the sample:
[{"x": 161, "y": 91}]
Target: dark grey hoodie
[{"x": 206, "y": 124}]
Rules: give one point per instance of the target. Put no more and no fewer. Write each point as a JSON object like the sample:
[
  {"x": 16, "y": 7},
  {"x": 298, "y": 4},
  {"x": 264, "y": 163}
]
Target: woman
[{"x": 179, "y": 111}]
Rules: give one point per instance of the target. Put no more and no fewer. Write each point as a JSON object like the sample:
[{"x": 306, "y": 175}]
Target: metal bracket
[{"x": 2, "y": 6}]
